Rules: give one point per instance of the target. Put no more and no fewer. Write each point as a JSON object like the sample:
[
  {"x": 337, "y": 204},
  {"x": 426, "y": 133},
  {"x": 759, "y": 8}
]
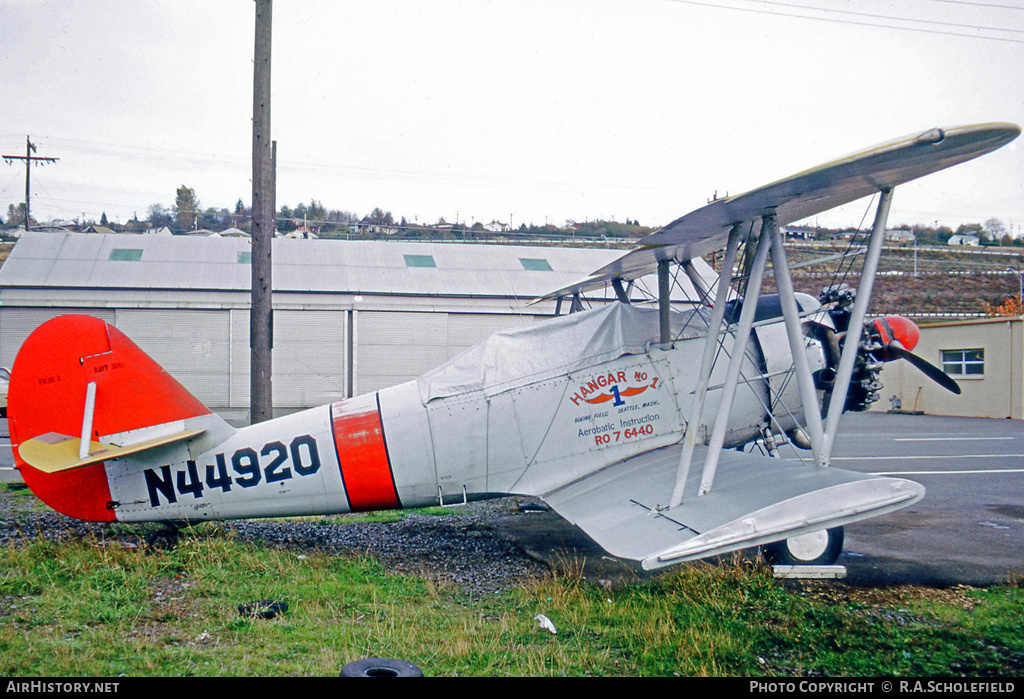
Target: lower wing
[{"x": 756, "y": 500}]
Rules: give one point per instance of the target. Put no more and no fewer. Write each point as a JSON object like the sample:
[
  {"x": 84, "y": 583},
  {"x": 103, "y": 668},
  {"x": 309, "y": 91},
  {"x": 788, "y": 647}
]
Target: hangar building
[
  {"x": 985, "y": 357},
  {"x": 350, "y": 317}
]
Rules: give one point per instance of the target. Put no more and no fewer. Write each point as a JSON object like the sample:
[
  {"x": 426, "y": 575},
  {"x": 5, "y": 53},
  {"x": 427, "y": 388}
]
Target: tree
[
  {"x": 1010, "y": 307},
  {"x": 186, "y": 208},
  {"x": 316, "y": 211},
  {"x": 995, "y": 229},
  {"x": 381, "y": 217},
  {"x": 16, "y": 215},
  {"x": 159, "y": 216},
  {"x": 215, "y": 219},
  {"x": 285, "y": 220}
]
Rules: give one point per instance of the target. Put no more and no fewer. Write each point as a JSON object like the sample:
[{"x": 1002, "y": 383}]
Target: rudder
[{"x": 47, "y": 396}]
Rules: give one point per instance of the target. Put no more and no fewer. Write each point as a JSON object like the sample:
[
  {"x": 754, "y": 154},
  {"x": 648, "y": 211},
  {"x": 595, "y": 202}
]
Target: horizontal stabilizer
[
  {"x": 755, "y": 500},
  {"x": 53, "y": 452}
]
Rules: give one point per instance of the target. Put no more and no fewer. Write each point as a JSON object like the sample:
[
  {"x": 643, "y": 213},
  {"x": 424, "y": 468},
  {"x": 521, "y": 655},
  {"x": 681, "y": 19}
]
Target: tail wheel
[{"x": 820, "y": 548}]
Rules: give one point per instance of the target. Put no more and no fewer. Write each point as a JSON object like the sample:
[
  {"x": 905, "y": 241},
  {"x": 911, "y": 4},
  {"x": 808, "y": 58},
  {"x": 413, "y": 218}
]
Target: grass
[{"x": 79, "y": 608}]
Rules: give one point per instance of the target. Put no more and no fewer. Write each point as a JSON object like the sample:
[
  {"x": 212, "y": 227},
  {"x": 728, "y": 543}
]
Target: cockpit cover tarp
[{"x": 525, "y": 355}]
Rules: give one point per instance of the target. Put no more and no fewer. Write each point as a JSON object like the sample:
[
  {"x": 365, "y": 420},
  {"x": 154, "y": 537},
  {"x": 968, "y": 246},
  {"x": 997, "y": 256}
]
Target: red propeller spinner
[
  {"x": 898, "y": 329},
  {"x": 898, "y": 336}
]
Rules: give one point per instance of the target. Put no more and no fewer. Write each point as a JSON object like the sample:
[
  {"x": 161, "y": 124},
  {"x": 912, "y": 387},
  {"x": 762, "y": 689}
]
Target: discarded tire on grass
[
  {"x": 380, "y": 667},
  {"x": 267, "y": 609}
]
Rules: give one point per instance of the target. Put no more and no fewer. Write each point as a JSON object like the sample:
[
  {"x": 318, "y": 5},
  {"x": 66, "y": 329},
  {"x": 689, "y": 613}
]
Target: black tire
[
  {"x": 165, "y": 539},
  {"x": 380, "y": 667},
  {"x": 820, "y": 548}
]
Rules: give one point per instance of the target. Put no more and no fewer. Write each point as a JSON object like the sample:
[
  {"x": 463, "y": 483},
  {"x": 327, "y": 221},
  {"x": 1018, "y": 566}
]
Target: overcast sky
[{"x": 512, "y": 110}]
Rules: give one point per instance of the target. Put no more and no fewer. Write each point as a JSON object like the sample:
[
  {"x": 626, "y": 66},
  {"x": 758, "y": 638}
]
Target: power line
[
  {"x": 835, "y": 20},
  {"x": 891, "y": 17},
  {"x": 981, "y": 4}
]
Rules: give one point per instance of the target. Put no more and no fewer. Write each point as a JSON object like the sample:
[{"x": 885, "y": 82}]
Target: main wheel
[{"x": 820, "y": 548}]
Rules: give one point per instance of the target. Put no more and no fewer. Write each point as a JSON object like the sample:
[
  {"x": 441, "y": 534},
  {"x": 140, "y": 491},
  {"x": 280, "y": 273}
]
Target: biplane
[{"x": 629, "y": 419}]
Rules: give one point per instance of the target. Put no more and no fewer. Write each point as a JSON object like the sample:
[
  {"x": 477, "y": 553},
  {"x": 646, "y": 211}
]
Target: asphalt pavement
[{"x": 968, "y": 529}]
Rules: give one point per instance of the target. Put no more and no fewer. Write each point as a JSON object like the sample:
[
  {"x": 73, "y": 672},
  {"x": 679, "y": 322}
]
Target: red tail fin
[{"x": 47, "y": 394}]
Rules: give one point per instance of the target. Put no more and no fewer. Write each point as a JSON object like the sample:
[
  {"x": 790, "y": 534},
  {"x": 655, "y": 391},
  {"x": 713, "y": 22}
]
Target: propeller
[
  {"x": 898, "y": 336},
  {"x": 883, "y": 340}
]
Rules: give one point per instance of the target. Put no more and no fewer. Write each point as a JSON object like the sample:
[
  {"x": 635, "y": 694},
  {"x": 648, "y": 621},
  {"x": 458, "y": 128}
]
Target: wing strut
[
  {"x": 822, "y": 435},
  {"x": 620, "y": 292},
  {"x": 732, "y": 375},
  {"x": 852, "y": 341},
  {"x": 664, "y": 303},
  {"x": 795, "y": 335},
  {"x": 706, "y": 363}
]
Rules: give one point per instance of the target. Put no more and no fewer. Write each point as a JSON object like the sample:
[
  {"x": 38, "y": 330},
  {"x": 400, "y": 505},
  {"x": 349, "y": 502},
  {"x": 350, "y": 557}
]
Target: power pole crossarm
[{"x": 30, "y": 148}]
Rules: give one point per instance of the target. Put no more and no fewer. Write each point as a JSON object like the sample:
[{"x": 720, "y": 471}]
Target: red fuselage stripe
[{"x": 365, "y": 467}]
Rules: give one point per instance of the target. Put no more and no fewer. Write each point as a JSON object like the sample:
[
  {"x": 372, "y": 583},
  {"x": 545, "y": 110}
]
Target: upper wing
[
  {"x": 801, "y": 195},
  {"x": 756, "y": 500}
]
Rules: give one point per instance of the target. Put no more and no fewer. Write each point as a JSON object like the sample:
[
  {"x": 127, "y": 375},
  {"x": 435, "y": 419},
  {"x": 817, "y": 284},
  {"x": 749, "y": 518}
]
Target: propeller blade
[{"x": 898, "y": 351}]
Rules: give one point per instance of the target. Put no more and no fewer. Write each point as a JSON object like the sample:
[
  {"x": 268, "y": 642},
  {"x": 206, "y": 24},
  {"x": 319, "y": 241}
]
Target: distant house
[
  {"x": 800, "y": 232},
  {"x": 496, "y": 227},
  {"x": 900, "y": 236},
  {"x": 163, "y": 230},
  {"x": 97, "y": 229},
  {"x": 305, "y": 229},
  {"x": 365, "y": 228},
  {"x": 964, "y": 240}
]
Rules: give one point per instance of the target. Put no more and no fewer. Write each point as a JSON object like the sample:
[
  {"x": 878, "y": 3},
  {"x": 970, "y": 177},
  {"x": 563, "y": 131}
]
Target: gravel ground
[{"x": 463, "y": 548}]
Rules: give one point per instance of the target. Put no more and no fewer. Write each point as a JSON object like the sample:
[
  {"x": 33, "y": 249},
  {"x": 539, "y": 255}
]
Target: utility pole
[
  {"x": 30, "y": 148},
  {"x": 264, "y": 223}
]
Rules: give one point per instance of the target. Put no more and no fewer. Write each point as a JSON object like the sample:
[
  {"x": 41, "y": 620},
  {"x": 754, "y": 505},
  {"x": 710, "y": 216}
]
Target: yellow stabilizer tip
[{"x": 54, "y": 452}]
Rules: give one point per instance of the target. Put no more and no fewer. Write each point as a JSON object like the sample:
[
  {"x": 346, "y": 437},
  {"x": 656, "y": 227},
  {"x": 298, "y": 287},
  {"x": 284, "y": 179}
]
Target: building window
[
  {"x": 535, "y": 264},
  {"x": 245, "y": 257},
  {"x": 419, "y": 261},
  {"x": 964, "y": 362},
  {"x": 125, "y": 255}
]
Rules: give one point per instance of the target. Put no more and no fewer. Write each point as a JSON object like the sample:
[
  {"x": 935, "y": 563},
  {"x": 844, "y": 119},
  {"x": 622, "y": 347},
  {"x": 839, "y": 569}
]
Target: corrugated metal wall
[
  {"x": 394, "y": 346},
  {"x": 309, "y": 358},
  {"x": 16, "y": 324},
  {"x": 192, "y": 345},
  {"x": 207, "y": 350}
]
